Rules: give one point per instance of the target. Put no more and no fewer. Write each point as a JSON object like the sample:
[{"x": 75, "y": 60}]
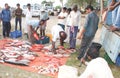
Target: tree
[
  {"x": 44, "y": 2},
  {"x": 81, "y": 3},
  {"x": 61, "y": 2}
]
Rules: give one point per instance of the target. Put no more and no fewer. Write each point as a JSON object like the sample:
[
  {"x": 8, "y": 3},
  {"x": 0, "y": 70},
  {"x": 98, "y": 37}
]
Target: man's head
[
  {"x": 29, "y": 6},
  {"x": 18, "y": 5},
  {"x": 64, "y": 9},
  {"x": 75, "y": 8},
  {"x": 63, "y": 36},
  {"x": 89, "y": 8},
  {"x": 6, "y": 6}
]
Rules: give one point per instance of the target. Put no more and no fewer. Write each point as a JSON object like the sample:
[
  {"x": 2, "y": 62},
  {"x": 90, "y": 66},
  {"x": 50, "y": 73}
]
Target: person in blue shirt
[
  {"x": 87, "y": 32},
  {"x": 5, "y": 17}
]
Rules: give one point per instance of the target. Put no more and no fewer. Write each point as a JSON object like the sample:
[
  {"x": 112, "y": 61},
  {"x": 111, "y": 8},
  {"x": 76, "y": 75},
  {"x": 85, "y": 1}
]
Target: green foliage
[
  {"x": 81, "y": 3},
  {"x": 58, "y": 7},
  {"x": 44, "y": 2}
]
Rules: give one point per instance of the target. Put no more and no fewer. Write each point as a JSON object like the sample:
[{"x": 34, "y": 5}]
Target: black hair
[
  {"x": 64, "y": 8},
  {"x": 63, "y": 35},
  {"x": 18, "y": 4},
  {"x": 89, "y": 7},
  {"x": 69, "y": 9},
  {"x": 28, "y": 4}
]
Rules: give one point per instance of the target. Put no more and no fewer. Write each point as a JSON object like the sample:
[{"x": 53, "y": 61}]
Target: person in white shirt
[
  {"x": 97, "y": 68},
  {"x": 67, "y": 28},
  {"x": 57, "y": 33},
  {"x": 75, "y": 17},
  {"x": 62, "y": 17},
  {"x": 28, "y": 18}
]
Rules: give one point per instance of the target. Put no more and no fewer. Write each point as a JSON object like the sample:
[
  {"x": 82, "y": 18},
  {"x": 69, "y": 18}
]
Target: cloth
[
  {"x": 28, "y": 18},
  {"x": 18, "y": 13},
  {"x": 67, "y": 30},
  {"x": 6, "y": 28},
  {"x": 62, "y": 21},
  {"x": 116, "y": 21},
  {"x": 73, "y": 37},
  {"x": 5, "y": 15},
  {"x": 97, "y": 68},
  {"x": 34, "y": 23},
  {"x": 55, "y": 32},
  {"x": 75, "y": 18},
  {"x": 16, "y": 22},
  {"x": 44, "y": 16},
  {"x": 91, "y": 24},
  {"x": 85, "y": 43}
]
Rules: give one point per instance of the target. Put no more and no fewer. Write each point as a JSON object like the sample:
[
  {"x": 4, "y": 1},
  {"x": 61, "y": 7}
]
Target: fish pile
[
  {"x": 16, "y": 52},
  {"x": 23, "y": 52}
]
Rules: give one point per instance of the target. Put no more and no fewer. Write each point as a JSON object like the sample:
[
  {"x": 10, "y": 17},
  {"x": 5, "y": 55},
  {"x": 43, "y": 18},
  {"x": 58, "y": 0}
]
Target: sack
[
  {"x": 15, "y": 34},
  {"x": 93, "y": 50}
]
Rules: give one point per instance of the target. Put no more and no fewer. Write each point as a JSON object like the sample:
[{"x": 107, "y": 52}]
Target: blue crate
[
  {"x": 45, "y": 40},
  {"x": 15, "y": 34}
]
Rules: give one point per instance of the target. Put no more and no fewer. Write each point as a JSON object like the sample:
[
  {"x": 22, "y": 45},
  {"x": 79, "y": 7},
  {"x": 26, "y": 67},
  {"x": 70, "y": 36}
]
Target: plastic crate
[{"x": 15, "y": 34}]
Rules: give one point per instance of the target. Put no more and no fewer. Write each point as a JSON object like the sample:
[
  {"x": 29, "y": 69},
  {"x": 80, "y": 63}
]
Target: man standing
[
  {"x": 5, "y": 18},
  {"x": 18, "y": 14},
  {"x": 43, "y": 16},
  {"x": 62, "y": 18},
  {"x": 87, "y": 32},
  {"x": 28, "y": 18},
  {"x": 75, "y": 18}
]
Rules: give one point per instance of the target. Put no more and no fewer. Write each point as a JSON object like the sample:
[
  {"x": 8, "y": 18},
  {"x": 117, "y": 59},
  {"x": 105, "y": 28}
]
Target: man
[
  {"x": 87, "y": 32},
  {"x": 18, "y": 14},
  {"x": 75, "y": 18},
  {"x": 6, "y": 18},
  {"x": 57, "y": 33},
  {"x": 97, "y": 68},
  {"x": 33, "y": 26},
  {"x": 62, "y": 18},
  {"x": 43, "y": 16},
  {"x": 28, "y": 18}
]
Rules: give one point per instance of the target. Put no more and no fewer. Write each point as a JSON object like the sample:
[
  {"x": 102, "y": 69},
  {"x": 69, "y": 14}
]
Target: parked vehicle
[{"x": 35, "y": 9}]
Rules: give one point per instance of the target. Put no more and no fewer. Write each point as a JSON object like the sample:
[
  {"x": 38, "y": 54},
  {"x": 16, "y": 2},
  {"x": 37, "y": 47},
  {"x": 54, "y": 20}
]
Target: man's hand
[{"x": 111, "y": 8}]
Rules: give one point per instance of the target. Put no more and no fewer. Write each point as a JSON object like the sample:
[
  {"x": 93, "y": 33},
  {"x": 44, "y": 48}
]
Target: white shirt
[
  {"x": 75, "y": 18},
  {"x": 28, "y": 15},
  {"x": 97, "y": 68},
  {"x": 62, "y": 21},
  {"x": 55, "y": 32},
  {"x": 68, "y": 20}
]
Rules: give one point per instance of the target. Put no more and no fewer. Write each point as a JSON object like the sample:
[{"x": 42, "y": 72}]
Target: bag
[
  {"x": 93, "y": 50},
  {"x": 15, "y": 34}
]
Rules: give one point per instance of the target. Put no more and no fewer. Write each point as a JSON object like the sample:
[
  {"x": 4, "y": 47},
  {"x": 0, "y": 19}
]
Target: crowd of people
[
  {"x": 65, "y": 30},
  {"x": 68, "y": 28}
]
